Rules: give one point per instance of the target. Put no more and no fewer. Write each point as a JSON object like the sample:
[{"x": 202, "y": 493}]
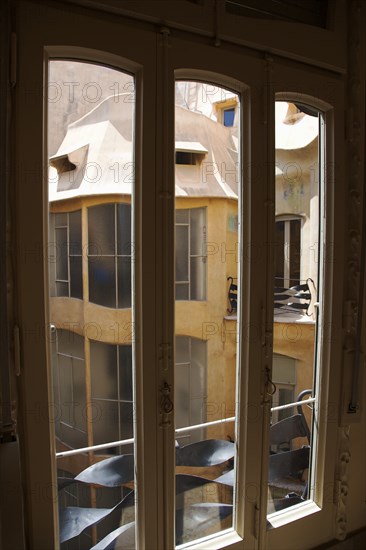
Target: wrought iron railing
[{"x": 296, "y": 298}]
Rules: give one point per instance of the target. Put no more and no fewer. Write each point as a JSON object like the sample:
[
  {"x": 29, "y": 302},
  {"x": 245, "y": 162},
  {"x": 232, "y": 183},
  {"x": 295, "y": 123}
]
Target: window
[
  {"x": 190, "y": 254},
  {"x": 288, "y": 252},
  {"x": 205, "y": 379},
  {"x": 228, "y": 116},
  {"x": 190, "y": 153},
  {"x": 238, "y": 181},
  {"x": 109, "y": 255},
  {"x": 69, "y": 388},
  {"x": 66, "y": 263},
  {"x": 298, "y": 276},
  {"x": 111, "y": 393},
  {"x": 185, "y": 157},
  {"x": 284, "y": 378}
]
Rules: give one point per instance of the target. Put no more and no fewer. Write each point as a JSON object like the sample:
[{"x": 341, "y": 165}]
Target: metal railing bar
[
  {"x": 205, "y": 425},
  {"x": 177, "y": 431},
  {"x": 295, "y": 404},
  {"x": 95, "y": 447}
]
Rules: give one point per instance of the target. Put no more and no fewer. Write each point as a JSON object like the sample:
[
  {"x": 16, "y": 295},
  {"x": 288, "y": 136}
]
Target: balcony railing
[{"x": 295, "y": 299}]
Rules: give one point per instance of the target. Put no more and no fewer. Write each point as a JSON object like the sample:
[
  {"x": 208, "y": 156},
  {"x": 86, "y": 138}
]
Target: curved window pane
[
  {"x": 296, "y": 293},
  {"x": 207, "y": 206},
  {"x": 90, "y": 259}
]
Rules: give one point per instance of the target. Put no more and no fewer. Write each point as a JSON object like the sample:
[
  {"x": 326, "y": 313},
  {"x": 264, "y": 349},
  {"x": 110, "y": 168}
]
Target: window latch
[{"x": 166, "y": 405}]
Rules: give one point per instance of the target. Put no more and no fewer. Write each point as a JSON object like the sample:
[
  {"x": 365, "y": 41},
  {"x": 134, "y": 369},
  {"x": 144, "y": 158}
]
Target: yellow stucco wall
[{"x": 204, "y": 320}]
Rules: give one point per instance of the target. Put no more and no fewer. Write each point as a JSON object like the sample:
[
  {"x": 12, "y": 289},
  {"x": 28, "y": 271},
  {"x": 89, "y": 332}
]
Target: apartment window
[
  {"x": 287, "y": 252},
  {"x": 228, "y": 116},
  {"x": 190, "y": 254},
  {"x": 190, "y": 153},
  {"x": 109, "y": 255},
  {"x": 284, "y": 378},
  {"x": 69, "y": 388},
  {"x": 111, "y": 392},
  {"x": 66, "y": 263},
  {"x": 185, "y": 157}
]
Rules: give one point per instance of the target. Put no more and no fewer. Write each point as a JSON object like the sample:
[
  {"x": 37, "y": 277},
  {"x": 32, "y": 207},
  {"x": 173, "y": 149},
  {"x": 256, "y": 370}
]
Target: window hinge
[{"x": 13, "y": 60}]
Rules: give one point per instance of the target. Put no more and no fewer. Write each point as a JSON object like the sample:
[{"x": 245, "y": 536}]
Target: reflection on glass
[
  {"x": 91, "y": 152},
  {"x": 295, "y": 316},
  {"x": 205, "y": 344}
]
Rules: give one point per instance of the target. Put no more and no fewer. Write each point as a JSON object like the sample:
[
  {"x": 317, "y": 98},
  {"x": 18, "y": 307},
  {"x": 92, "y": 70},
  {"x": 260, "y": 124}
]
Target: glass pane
[
  {"x": 198, "y": 370},
  {"x": 61, "y": 255},
  {"x": 76, "y": 283},
  {"x": 92, "y": 364},
  {"x": 197, "y": 222},
  {"x": 126, "y": 422},
  {"x": 123, "y": 229},
  {"x": 182, "y": 251},
  {"x": 206, "y": 370},
  {"x": 295, "y": 317},
  {"x": 60, "y": 220},
  {"x": 106, "y": 421},
  {"x": 101, "y": 228},
  {"x": 182, "y": 395},
  {"x": 125, "y": 373},
  {"x": 279, "y": 253},
  {"x": 79, "y": 393},
  {"x": 295, "y": 251},
  {"x": 229, "y": 115},
  {"x": 182, "y": 291},
  {"x": 66, "y": 389},
  {"x": 182, "y": 216},
  {"x": 103, "y": 362},
  {"x": 102, "y": 281},
  {"x": 75, "y": 232},
  {"x": 62, "y": 289},
  {"x": 70, "y": 343},
  {"x": 124, "y": 282},
  {"x": 198, "y": 279}
]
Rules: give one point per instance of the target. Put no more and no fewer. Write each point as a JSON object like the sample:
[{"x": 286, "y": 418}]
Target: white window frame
[{"x": 242, "y": 72}]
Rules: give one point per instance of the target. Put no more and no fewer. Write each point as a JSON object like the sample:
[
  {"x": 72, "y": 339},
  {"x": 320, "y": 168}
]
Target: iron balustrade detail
[{"x": 295, "y": 299}]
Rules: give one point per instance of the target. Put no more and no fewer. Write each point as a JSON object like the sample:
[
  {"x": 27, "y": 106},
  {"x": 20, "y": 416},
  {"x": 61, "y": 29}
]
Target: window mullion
[{"x": 165, "y": 288}]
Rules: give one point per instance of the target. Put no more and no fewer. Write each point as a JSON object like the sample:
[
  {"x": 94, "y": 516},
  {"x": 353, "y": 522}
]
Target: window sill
[
  {"x": 214, "y": 542},
  {"x": 289, "y": 317},
  {"x": 298, "y": 511}
]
